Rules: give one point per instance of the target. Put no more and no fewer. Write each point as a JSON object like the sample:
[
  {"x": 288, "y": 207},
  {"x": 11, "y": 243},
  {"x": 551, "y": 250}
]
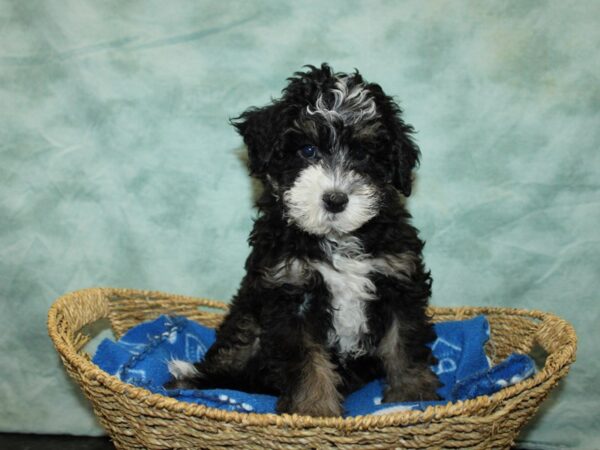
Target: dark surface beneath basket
[{"x": 15, "y": 441}]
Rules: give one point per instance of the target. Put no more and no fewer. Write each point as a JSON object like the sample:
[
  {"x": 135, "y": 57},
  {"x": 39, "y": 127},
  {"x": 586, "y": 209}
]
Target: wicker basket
[{"x": 136, "y": 418}]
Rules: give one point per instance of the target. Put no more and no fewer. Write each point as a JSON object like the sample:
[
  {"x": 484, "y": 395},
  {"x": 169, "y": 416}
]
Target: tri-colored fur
[{"x": 335, "y": 290}]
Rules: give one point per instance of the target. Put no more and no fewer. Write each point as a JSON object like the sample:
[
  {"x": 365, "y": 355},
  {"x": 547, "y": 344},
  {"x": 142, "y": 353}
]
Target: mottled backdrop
[{"x": 118, "y": 166}]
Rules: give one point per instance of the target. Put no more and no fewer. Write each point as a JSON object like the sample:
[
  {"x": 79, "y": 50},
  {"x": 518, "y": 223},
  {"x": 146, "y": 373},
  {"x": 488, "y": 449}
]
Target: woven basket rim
[{"x": 555, "y": 361}]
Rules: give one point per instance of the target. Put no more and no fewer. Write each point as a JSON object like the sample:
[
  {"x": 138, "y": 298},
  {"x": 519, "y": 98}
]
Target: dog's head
[{"x": 330, "y": 148}]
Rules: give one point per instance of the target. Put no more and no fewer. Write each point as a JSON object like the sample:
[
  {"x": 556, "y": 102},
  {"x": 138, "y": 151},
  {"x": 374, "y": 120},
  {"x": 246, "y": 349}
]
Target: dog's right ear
[{"x": 257, "y": 126}]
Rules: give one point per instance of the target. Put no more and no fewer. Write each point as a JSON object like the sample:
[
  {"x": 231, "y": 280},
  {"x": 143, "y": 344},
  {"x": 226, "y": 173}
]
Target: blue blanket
[{"x": 141, "y": 357}]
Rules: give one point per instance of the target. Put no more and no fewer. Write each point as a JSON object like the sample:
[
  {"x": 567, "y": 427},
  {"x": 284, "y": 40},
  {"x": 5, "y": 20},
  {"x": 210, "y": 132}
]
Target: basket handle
[
  {"x": 73, "y": 311},
  {"x": 559, "y": 338}
]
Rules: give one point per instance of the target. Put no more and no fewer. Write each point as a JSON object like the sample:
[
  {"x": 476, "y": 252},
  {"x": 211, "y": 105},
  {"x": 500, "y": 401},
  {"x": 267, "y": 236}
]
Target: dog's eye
[
  {"x": 360, "y": 154},
  {"x": 309, "y": 151}
]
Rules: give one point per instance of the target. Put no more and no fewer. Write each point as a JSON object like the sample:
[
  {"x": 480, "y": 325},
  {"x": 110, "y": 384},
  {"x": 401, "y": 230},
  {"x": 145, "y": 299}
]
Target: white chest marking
[
  {"x": 347, "y": 280},
  {"x": 346, "y": 274}
]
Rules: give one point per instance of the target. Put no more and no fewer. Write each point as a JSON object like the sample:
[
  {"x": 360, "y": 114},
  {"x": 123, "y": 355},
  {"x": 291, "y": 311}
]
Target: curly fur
[{"x": 330, "y": 300}]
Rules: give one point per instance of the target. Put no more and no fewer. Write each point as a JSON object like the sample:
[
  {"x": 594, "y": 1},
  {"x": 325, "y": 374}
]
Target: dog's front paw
[
  {"x": 408, "y": 395},
  {"x": 416, "y": 385},
  {"x": 319, "y": 408},
  {"x": 185, "y": 375}
]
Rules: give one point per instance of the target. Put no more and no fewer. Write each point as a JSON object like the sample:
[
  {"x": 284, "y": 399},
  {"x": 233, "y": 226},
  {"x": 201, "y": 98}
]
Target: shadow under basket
[{"x": 136, "y": 418}]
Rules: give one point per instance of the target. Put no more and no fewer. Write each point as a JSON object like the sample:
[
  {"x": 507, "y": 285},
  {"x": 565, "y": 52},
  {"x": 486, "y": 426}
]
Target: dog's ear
[
  {"x": 404, "y": 152},
  {"x": 406, "y": 155},
  {"x": 257, "y": 126}
]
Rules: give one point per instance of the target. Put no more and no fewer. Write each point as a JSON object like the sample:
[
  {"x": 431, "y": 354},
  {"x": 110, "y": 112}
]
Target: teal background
[{"x": 118, "y": 166}]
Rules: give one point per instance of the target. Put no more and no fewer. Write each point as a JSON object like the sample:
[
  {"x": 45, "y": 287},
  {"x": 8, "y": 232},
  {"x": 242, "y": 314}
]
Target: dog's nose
[{"x": 335, "y": 201}]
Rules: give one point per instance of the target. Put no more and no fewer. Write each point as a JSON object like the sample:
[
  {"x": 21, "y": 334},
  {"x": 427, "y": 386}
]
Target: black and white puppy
[{"x": 335, "y": 292}]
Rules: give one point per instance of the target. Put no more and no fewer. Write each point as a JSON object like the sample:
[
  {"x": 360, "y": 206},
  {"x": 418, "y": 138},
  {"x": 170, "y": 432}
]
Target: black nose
[{"x": 335, "y": 201}]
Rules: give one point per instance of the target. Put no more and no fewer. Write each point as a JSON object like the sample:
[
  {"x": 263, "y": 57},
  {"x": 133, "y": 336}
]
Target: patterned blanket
[{"x": 141, "y": 357}]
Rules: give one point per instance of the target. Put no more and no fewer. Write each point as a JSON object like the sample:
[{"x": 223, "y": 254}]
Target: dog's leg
[
  {"x": 401, "y": 313},
  {"x": 238, "y": 340},
  {"x": 407, "y": 380},
  {"x": 314, "y": 383}
]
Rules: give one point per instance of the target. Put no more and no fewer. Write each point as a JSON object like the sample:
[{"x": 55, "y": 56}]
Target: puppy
[{"x": 335, "y": 292}]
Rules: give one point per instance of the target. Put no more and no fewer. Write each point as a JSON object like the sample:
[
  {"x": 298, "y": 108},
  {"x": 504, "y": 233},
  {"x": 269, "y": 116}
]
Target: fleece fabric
[{"x": 141, "y": 357}]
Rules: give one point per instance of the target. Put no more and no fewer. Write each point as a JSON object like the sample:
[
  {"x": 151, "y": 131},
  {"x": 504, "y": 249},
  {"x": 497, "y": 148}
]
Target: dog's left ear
[
  {"x": 406, "y": 154},
  {"x": 257, "y": 128}
]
